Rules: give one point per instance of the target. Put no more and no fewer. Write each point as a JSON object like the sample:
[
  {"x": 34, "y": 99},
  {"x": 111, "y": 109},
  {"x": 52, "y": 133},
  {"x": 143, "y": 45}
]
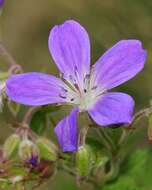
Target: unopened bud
[
  {"x": 83, "y": 161},
  {"x": 28, "y": 152},
  {"x": 47, "y": 149},
  {"x": 11, "y": 146}
]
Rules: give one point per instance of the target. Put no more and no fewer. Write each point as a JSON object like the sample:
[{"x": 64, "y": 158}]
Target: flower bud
[
  {"x": 28, "y": 152},
  {"x": 47, "y": 149},
  {"x": 83, "y": 159},
  {"x": 11, "y": 146}
]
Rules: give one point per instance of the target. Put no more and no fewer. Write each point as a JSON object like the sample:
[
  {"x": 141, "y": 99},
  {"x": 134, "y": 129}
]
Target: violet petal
[
  {"x": 34, "y": 89},
  {"x": 66, "y": 132},
  {"x": 113, "y": 108},
  {"x": 69, "y": 46},
  {"x": 119, "y": 64}
]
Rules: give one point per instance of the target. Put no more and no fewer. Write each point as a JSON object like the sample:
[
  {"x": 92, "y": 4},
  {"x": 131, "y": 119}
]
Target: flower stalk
[{"x": 128, "y": 130}]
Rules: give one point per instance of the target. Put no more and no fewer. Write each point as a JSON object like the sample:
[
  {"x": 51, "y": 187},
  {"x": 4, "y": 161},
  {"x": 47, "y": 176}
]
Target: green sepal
[
  {"x": 83, "y": 161},
  {"x": 47, "y": 149},
  {"x": 11, "y": 146}
]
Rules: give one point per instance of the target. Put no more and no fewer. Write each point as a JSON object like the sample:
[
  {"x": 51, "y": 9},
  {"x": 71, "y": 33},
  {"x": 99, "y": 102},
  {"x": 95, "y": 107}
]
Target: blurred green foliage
[
  {"x": 136, "y": 174},
  {"x": 25, "y": 26}
]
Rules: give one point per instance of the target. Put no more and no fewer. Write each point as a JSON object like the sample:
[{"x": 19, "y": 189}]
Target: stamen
[
  {"x": 87, "y": 77},
  {"x": 72, "y": 99},
  {"x": 72, "y": 79},
  {"x": 75, "y": 70},
  {"x": 61, "y": 75},
  {"x": 64, "y": 89},
  {"x": 86, "y": 81},
  {"x": 77, "y": 87},
  {"x": 85, "y": 90},
  {"x": 94, "y": 87},
  {"x": 64, "y": 97}
]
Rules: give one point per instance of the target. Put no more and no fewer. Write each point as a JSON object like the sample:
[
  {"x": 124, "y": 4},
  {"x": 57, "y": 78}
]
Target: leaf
[
  {"x": 38, "y": 121},
  {"x": 136, "y": 174}
]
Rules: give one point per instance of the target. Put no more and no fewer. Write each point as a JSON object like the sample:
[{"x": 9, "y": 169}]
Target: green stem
[
  {"x": 82, "y": 135},
  {"x": 105, "y": 138},
  {"x": 28, "y": 115},
  {"x": 73, "y": 173},
  {"x": 14, "y": 67},
  {"x": 113, "y": 173},
  {"x": 107, "y": 141},
  {"x": 127, "y": 130}
]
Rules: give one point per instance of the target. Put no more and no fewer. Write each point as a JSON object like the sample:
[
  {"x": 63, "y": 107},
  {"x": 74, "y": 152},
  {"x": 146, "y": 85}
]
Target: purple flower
[
  {"x": 1, "y": 3},
  {"x": 84, "y": 87}
]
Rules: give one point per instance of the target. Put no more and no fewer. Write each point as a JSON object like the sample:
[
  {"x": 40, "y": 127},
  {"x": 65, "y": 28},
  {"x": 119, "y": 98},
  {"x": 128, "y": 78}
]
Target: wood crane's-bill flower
[{"x": 81, "y": 85}]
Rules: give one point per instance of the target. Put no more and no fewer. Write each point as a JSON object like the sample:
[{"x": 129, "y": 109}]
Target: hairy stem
[
  {"x": 130, "y": 128},
  {"x": 106, "y": 140},
  {"x": 74, "y": 174},
  {"x": 14, "y": 67},
  {"x": 82, "y": 135},
  {"x": 28, "y": 115}
]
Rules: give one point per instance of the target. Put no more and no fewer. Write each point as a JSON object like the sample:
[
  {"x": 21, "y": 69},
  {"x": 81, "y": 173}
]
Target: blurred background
[{"x": 25, "y": 26}]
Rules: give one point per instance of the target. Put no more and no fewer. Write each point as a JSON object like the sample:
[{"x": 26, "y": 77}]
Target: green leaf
[
  {"x": 136, "y": 175},
  {"x": 38, "y": 121}
]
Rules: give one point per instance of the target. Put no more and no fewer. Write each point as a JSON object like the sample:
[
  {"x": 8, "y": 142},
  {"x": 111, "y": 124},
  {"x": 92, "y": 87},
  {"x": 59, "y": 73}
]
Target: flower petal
[
  {"x": 34, "y": 89},
  {"x": 66, "y": 132},
  {"x": 119, "y": 64},
  {"x": 70, "y": 48},
  {"x": 113, "y": 108}
]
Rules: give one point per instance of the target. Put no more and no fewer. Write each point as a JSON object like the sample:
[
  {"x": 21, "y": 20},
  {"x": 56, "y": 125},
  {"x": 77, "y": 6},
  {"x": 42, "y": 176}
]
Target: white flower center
[
  {"x": 82, "y": 95},
  {"x": 87, "y": 100}
]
